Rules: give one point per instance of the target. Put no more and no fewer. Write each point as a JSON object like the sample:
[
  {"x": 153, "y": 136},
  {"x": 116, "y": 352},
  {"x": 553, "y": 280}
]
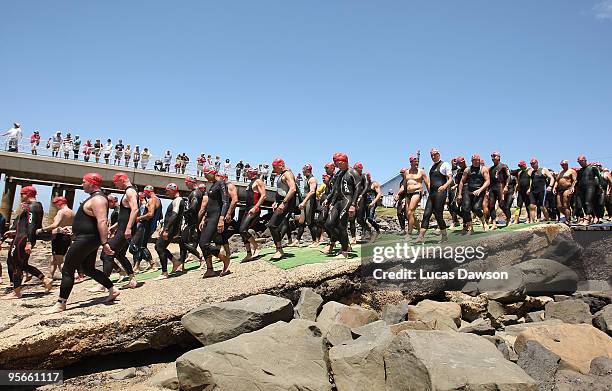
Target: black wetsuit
[
  {"x": 118, "y": 242},
  {"x": 538, "y": 187},
  {"x": 25, "y": 225},
  {"x": 60, "y": 243},
  {"x": 523, "y": 184},
  {"x": 361, "y": 212},
  {"x": 436, "y": 200},
  {"x": 172, "y": 224},
  {"x": 310, "y": 209},
  {"x": 471, "y": 202},
  {"x": 279, "y": 222},
  {"x": 145, "y": 230},
  {"x": 453, "y": 207},
  {"x": 370, "y": 196},
  {"x": 344, "y": 195},
  {"x": 82, "y": 252},
  {"x": 499, "y": 174},
  {"x": 231, "y": 227},
  {"x": 216, "y": 208},
  {"x": 512, "y": 183},
  {"x": 191, "y": 233},
  {"x": 248, "y": 220},
  {"x": 401, "y": 206}
]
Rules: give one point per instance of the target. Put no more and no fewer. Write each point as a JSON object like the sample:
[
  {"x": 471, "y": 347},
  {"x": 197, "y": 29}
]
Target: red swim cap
[
  {"x": 563, "y": 162},
  {"x": 278, "y": 162},
  {"x": 434, "y": 151},
  {"x": 252, "y": 171},
  {"x": 522, "y": 163},
  {"x": 172, "y": 187},
  {"x": 307, "y": 166},
  {"x": 325, "y": 176},
  {"x": 476, "y": 157},
  {"x": 93, "y": 178},
  {"x": 60, "y": 200},
  {"x": 330, "y": 166},
  {"x": 149, "y": 189},
  {"x": 29, "y": 191},
  {"x": 495, "y": 153},
  {"x": 582, "y": 157},
  {"x": 190, "y": 179},
  {"x": 209, "y": 171},
  {"x": 412, "y": 159},
  {"x": 340, "y": 157},
  {"x": 358, "y": 166},
  {"x": 533, "y": 160},
  {"x": 460, "y": 159},
  {"x": 120, "y": 177}
]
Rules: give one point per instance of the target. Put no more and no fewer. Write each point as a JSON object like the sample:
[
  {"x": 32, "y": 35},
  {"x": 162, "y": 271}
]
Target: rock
[
  {"x": 359, "y": 365},
  {"x": 575, "y": 344},
  {"x": 443, "y": 360},
  {"x": 212, "y": 323},
  {"x": 450, "y": 309},
  {"x": 510, "y": 290},
  {"x": 395, "y": 313},
  {"x": 515, "y": 329},
  {"x": 123, "y": 374},
  {"x": 603, "y": 319},
  {"x": 569, "y": 311},
  {"x": 412, "y": 325},
  {"x": 566, "y": 380},
  {"x": 440, "y": 320},
  {"x": 561, "y": 297},
  {"x": 335, "y": 333},
  {"x": 544, "y": 276},
  {"x": 472, "y": 308},
  {"x": 166, "y": 378},
  {"x": 470, "y": 288},
  {"x": 601, "y": 366},
  {"x": 596, "y": 303},
  {"x": 507, "y": 319},
  {"x": 308, "y": 305},
  {"x": 539, "y": 363},
  {"x": 371, "y": 330},
  {"x": 495, "y": 309},
  {"x": 282, "y": 356},
  {"x": 350, "y": 316},
  {"x": 594, "y": 286},
  {"x": 536, "y": 316},
  {"x": 479, "y": 327}
]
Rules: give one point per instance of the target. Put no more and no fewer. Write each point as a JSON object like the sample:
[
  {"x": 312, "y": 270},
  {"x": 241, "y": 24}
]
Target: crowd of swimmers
[{"x": 205, "y": 220}]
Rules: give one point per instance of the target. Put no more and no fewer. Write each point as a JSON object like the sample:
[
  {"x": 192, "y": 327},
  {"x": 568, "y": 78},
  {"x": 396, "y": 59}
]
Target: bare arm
[
  {"x": 202, "y": 210},
  {"x": 376, "y": 187},
  {"x": 132, "y": 198},
  {"x": 233, "y": 193},
  {"x": 461, "y": 184},
  {"x": 150, "y": 210},
  {"x": 487, "y": 182},
  {"x": 312, "y": 190},
  {"x": 261, "y": 189},
  {"x": 99, "y": 209},
  {"x": 56, "y": 222}
]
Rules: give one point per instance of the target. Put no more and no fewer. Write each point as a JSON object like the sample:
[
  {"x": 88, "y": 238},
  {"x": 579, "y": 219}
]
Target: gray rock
[
  {"x": 515, "y": 329},
  {"x": 472, "y": 308},
  {"x": 371, "y": 330},
  {"x": 603, "y": 319},
  {"x": 544, "y": 276},
  {"x": 561, "y": 297},
  {"x": 444, "y": 360},
  {"x": 470, "y": 288},
  {"x": 127, "y": 373},
  {"x": 536, "y": 316},
  {"x": 594, "y": 286},
  {"x": 350, "y": 316},
  {"x": 479, "y": 327},
  {"x": 569, "y": 311},
  {"x": 212, "y": 323},
  {"x": 440, "y": 320},
  {"x": 567, "y": 380},
  {"x": 495, "y": 309},
  {"x": 335, "y": 333},
  {"x": 395, "y": 313},
  {"x": 308, "y": 305},
  {"x": 412, "y": 325},
  {"x": 510, "y": 290},
  {"x": 282, "y": 356},
  {"x": 166, "y": 378},
  {"x": 359, "y": 365},
  {"x": 601, "y": 366},
  {"x": 507, "y": 319},
  {"x": 450, "y": 309},
  {"x": 539, "y": 363}
]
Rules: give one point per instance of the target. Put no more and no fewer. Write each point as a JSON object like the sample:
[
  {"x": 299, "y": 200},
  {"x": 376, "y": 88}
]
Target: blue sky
[{"x": 301, "y": 80}]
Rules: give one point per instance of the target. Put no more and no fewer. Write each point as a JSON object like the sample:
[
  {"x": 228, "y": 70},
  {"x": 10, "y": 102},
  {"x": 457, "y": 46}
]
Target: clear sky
[{"x": 258, "y": 79}]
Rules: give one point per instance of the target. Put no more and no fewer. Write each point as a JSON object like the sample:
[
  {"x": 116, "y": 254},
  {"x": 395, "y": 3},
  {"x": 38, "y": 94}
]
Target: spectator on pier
[
  {"x": 247, "y": 167},
  {"x": 200, "y": 161},
  {"x": 137, "y": 155},
  {"x": 177, "y": 164},
  {"x": 87, "y": 149},
  {"x": 239, "y": 168},
  {"x": 118, "y": 152},
  {"x": 127, "y": 155},
  {"x": 146, "y": 155},
  {"x": 56, "y": 143},
  {"x": 218, "y": 163},
  {"x": 35, "y": 142},
  {"x": 67, "y": 142},
  {"x": 159, "y": 165},
  {"x": 167, "y": 161},
  {"x": 264, "y": 173},
  {"x": 13, "y": 137},
  {"x": 97, "y": 150},
  {"x": 107, "y": 150},
  {"x": 209, "y": 160},
  {"x": 76, "y": 146},
  {"x": 227, "y": 166}
]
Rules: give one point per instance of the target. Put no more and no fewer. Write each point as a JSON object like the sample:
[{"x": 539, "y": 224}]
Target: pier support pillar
[
  {"x": 55, "y": 191},
  {"x": 8, "y": 198},
  {"x": 69, "y": 194}
]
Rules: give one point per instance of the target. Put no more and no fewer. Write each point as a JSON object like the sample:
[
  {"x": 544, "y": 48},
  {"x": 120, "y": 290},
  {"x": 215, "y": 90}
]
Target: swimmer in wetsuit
[
  {"x": 23, "y": 233},
  {"x": 564, "y": 189},
  {"x": 499, "y": 173},
  {"x": 328, "y": 181},
  {"x": 171, "y": 229},
  {"x": 439, "y": 180},
  {"x": 372, "y": 196},
  {"x": 541, "y": 183},
  {"x": 589, "y": 179},
  {"x": 454, "y": 206},
  {"x": 60, "y": 241},
  {"x": 90, "y": 229},
  {"x": 523, "y": 181},
  {"x": 147, "y": 223},
  {"x": 255, "y": 197},
  {"x": 308, "y": 206},
  {"x": 400, "y": 201},
  {"x": 286, "y": 190},
  {"x": 413, "y": 190},
  {"x": 231, "y": 225},
  {"x": 215, "y": 205},
  {"x": 190, "y": 234},
  {"x": 360, "y": 212},
  {"x": 472, "y": 188}
]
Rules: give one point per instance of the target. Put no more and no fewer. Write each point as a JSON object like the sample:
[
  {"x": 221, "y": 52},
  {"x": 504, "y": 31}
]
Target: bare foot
[
  {"x": 112, "y": 294},
  {"x": 58, "y": 307},
  {"x": 313, "y": 245},
  {"x": 11, "y": 296},
  {"x": 27, "y": 278},
  {"x": 209, "y": 273},
  {"x": 132, "y": 284},
  {"x": 225, "y": 273},
  {"x": 326, "y": 250},
  {"x": 248, "y": 258},
  {"x": 256, "y": 252},
  {"x": 176, "y": 266},
  {"x": 342, "y": 255},
  {"x": 162, "y": 276},
  {"x": 97, "y": 289},
  {"x": 48, "y": 283},
  {"x": 295, "y": 243},
  {"x": 278, "y": 254}
]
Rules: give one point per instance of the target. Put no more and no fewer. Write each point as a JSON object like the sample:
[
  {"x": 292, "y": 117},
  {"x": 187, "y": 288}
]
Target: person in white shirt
[
  {"x": 13, "y": 137},
  {"x": 107, "y": 150},
  {"x": 146, "y": 155},
  {"x": 56, "y": 143},
  {"x": 167, "y": 161},
  {"x": 67, "y": 145},
  {"x": 439, "y": 180}
]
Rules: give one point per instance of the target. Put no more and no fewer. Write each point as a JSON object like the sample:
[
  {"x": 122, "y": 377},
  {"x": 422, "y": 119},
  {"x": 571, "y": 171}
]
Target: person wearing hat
[
  {"x": 13, "y": 137},
  {"x": 76, "y": 147},
  {"x": 60, "y": 241},
  {"x": 67, "y": 142},
  {"x": 400, "y": 200},
  {"x": 541, "y": 184},
  {"x": 499, "y": 174},
  {"x": 308, "y": 206},
  {"x": 56, "y": 142},
  {"x": 589, "y": 178},
  {"x": 285, "y": 193},
  {"x": 35, "y": 142},
  {"x": 472, "y": 188},
  {"x": 190, "y": 234},
  {"x": 90, "y": 230},
  {"x": 24, "y": 237},
  {"x": 564, "y": 189},
  {"x": 454, "y": 207},
  {"x": 255, "y": 197},
  {"x": 231, "y": 225},
  {"x": 147, "y": 224},
  {"x": 171, "y": 228}
]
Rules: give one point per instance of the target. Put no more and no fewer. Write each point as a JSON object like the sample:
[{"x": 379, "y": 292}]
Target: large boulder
[
  {"x": 412, "y": 325},
  {"x": 545, "y": 276},
  {"x": 539, "y": 363},
  {"x": 350, "y": 316},
  {"x": 450, "y": 309},
  {"x": 575, "y": 344},
  {"x": 480, "y": 326},
  {"x": 308, "y": 304},
  {"x": 569, "y": 311},
  {"x": 443, "y": 360},
  {"x": 603, "y": 319},
  {"x": 282, "y": 356},
  {"x": 395, "y": 313},
  {"x": 166, "y": 378},
  {"x": 472, "y": 307},
  {"x": 508, "y": 290},
  {"x": 439, "y": 320},
  {"x": 359, "y": 365},
  {"x": 212, "y": 323},
  {"x": 567, "y": 380}
]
